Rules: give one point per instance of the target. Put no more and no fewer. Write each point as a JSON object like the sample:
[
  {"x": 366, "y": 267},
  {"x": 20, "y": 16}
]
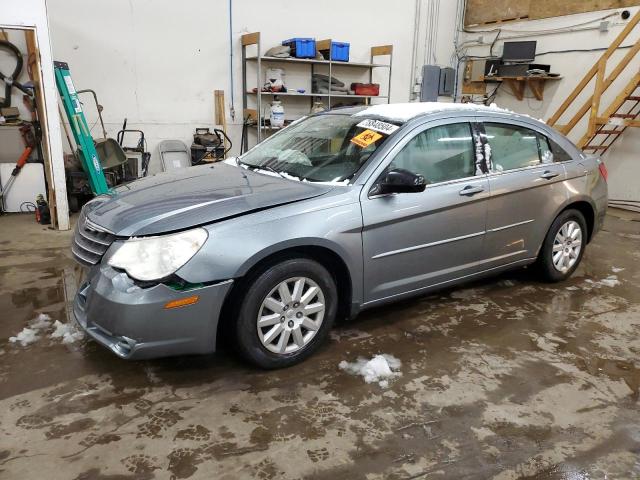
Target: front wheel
[
  {"x": 286, "y": 314},
  {"x": 563, "y": 246}
]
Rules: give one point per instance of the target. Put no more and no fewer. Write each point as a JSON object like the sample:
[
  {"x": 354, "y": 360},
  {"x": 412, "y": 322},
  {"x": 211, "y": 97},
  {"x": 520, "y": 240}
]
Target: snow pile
[
  {"x": 379, "y": 369},
  {"x": 25, "y": 337},
  {"x": 67, "y": 332},
  {"x": 29, "y": 334},
  {"x": 616, "y": 269}
]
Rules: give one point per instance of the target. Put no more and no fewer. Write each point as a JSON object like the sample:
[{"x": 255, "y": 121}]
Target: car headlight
[{"x": 153, "y": 258}]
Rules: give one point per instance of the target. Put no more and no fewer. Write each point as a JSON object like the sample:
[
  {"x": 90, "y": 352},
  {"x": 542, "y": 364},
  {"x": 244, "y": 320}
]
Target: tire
[
  {"x": 558, "y": 271},
  {"x": 279, "y": 343}
]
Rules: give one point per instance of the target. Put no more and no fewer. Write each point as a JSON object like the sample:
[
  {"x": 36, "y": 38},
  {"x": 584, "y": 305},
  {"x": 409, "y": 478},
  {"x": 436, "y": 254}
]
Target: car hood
[{"x": 193, "y": 196}]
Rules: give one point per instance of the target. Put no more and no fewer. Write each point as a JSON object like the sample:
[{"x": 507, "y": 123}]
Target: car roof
[{"x": 405, "y": 112}]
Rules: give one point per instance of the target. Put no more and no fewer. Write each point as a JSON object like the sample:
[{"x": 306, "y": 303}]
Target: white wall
[
  {"x": 158, "y": 62},
  {"x": 621, "y": 159},
  {"x": 33, "y": 14}
]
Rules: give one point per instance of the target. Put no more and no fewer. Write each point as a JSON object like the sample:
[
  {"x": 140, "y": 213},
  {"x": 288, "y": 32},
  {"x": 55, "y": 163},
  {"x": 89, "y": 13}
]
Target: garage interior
[{"x": 505, "y": 377}]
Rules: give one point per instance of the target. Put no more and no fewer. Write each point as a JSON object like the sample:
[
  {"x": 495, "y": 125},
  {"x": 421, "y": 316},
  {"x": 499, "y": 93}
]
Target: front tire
[
  {"x": 563, "y": 246},
  {"x": 286, "y": 314}
]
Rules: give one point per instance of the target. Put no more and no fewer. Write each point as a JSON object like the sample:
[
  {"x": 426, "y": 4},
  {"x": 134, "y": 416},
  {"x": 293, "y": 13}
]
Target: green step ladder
[{"x": 80, "y": 129}]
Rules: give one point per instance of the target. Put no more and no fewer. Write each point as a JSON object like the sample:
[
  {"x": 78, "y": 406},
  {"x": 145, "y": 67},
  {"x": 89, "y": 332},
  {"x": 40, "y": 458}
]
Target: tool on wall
[
  {"x": 80, "y": 129},
  {"x": 10, "y": 80}
]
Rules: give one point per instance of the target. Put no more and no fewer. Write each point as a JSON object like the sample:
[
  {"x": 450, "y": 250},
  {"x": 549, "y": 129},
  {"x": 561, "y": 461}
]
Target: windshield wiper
[{"x": 259, "y": 167}]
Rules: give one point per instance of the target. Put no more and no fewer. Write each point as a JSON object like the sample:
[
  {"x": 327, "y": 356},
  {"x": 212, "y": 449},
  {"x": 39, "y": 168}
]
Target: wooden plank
[
  {"x": 592, "y": 72},
  {"x": 474, "y": 88},
  {"x": 597, "y": 93},
  {"x": 220, "y": 114},
  {"x": 632, "y": 123},
  {"x": 491, "y": 11},
  {"x": 494, "y": 12},
  {"x": 554, "y": 8},
  {"x": 33, "y": 66},
  {"x": 250, "y": 39},
  {"x": 323, "y": 44},
  {"x": 381, "y": 50}
]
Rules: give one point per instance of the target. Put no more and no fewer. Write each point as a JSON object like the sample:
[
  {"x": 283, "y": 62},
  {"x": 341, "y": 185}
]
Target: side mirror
[{"x": 399, "y": 180}]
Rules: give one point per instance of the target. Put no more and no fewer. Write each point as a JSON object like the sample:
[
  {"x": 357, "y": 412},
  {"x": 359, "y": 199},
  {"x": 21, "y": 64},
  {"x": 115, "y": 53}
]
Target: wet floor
[{"x": 506, "y": 378}]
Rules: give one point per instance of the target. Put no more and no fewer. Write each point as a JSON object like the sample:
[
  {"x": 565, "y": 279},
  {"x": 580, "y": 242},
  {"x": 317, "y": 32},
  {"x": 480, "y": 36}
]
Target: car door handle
[
  {"x": 471, "y": 190},
  {"x": 548, "y": 174}
]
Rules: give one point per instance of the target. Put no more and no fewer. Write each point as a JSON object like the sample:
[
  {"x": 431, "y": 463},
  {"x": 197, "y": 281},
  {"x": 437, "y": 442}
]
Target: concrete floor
[{"x": 506, "y": 378}]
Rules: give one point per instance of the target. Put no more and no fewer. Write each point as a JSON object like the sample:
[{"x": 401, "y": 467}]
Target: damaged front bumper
[{"x": 134, "y": 323}]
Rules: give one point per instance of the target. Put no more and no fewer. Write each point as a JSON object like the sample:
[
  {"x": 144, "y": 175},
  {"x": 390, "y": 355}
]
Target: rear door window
[{"x": 512, "y": 146}]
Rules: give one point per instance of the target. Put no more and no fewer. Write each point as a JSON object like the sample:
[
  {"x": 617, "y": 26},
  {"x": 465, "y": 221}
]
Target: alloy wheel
[
  {"x": 567, "y": 246},
  {"x": 291, "y": 315}
]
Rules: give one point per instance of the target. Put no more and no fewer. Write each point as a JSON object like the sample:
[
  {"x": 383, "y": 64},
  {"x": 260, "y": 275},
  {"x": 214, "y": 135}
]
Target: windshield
[{"x": 323, "y": 148}]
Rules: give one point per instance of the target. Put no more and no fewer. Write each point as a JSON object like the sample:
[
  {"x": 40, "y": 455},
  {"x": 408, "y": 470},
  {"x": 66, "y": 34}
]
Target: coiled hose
[{"x": 8, "y": 80}]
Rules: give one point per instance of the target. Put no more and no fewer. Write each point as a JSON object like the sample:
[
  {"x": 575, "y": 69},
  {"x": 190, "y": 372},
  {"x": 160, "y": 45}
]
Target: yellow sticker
[{"x": 366, "y": 138}]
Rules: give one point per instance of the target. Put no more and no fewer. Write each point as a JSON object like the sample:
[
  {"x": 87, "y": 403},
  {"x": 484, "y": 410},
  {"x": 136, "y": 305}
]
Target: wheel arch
[
  {"x": 588, "y": 211},
  {"x": 319, "y": 251}
]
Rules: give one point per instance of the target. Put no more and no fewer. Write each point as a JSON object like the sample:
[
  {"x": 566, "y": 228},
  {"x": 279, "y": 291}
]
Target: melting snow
[
  {"x": 379, "y": 369},
  {"x": 29, "y": 334},
  {"x": 25, "y": 337},
  {"x": 41, "y": 321},
  {"x": 616, "y": 269},
  {"x": 610, "y": 281},
  {"x": 67, "y": 332}
]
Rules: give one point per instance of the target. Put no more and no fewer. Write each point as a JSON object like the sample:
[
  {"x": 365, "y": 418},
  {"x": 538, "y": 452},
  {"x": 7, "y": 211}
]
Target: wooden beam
[
  {"x": 597, "y": 94},
  {"x": 632, "y": 123},
  {"x": 592, "y": 72},
  {"x": 33, "y": 67}
]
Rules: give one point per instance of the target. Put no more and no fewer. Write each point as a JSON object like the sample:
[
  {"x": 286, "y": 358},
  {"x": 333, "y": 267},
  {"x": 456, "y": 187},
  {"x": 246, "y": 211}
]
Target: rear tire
[
  {"x": 286, "y": 313},
  {"x": 563, "y": 247}
]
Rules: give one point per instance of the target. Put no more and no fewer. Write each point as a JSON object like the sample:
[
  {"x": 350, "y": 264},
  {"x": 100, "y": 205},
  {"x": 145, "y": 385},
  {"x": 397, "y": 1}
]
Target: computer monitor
[{"x": 519, "y": 51}]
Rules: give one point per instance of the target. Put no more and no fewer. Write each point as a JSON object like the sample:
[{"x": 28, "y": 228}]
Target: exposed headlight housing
[{"x": 154, "y": 258}]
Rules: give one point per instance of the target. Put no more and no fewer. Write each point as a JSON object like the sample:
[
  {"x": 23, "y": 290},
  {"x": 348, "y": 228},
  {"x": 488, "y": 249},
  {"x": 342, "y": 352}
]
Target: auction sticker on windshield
[
  {"x": 366, "y": 138},
  {"x": 378, "y": 126}
]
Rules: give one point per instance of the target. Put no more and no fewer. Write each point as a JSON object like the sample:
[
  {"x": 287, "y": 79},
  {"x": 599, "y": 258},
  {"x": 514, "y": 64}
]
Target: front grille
[{"x": 90, "y": 241}]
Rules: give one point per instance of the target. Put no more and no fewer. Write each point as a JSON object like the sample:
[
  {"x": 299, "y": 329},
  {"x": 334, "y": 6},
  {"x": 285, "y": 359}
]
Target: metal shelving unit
[{"x": 256, "y": 58}]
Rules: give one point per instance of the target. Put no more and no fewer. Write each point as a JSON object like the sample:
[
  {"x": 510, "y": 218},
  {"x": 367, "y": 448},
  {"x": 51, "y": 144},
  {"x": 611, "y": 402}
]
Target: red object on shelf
[{"x": 372, "y": 89}]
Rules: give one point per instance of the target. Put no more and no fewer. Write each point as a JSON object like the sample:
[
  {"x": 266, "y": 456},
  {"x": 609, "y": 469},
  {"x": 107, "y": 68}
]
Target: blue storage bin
[
  {"x": 302, "y": 47},
  {"x": 340, "y": 51}
]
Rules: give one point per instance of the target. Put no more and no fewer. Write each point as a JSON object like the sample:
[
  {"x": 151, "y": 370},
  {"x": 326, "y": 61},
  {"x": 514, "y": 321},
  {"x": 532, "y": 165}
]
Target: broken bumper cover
[{"x": 134, "y": 323}]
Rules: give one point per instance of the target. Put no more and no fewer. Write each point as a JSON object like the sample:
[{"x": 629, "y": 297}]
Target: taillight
[{"x": 603, "y": 170}]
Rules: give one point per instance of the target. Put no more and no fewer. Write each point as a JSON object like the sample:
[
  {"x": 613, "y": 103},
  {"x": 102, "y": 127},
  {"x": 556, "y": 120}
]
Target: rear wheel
[
  {"x": 286, "y": 314},
  {"x": 563, "y": 246}
]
